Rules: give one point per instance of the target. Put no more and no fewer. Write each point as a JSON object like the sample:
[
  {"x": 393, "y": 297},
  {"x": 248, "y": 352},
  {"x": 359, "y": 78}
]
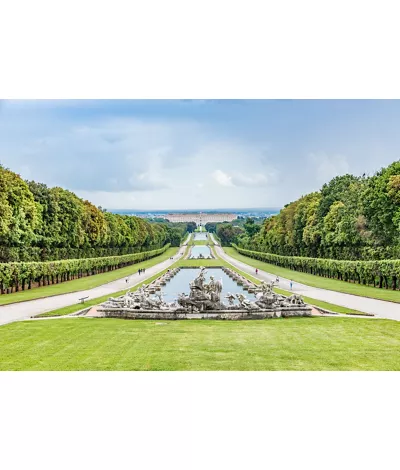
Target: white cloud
[
  {"x": 326, "y": 167},
  {"x": 250, "y": 180},
  {"x": 222, "y": 178},
  {"x": 242, "y": 180}
]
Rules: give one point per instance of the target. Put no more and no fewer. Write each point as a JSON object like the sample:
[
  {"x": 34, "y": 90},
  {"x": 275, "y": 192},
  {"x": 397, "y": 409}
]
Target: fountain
[{"x": 204, "y": 301}]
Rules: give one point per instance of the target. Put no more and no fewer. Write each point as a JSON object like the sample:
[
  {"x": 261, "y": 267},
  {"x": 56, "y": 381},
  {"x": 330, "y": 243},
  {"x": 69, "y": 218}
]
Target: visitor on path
[
  {"x": 256, "y": 271},
  {"x": 277, "y": 280},
  {"x": 127, "y": 279},
  {"x": 139, "y": 272},
  {"x": 291, "y": 285}
]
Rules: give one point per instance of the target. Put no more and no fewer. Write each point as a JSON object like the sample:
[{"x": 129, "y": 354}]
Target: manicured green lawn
[
  {"x": 202, "y": 242},
  {"x": 201, "y": 262},
  {"x": 318, "y": 281},
  {"x": 282, "y": 344},
  {"x": 85, "y": 282}
]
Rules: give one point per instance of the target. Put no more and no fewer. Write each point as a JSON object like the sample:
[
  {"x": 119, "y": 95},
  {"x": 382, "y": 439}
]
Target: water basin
[
  {"x": 200, "y": 236},
  {"x": 200, "y": 249},
  {"x": 179, "y": 284}
]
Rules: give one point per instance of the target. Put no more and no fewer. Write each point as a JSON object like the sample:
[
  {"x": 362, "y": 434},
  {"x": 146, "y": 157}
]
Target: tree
[
  {"x": 228, "y": 234},
  {"x": 191, "y": 227},
  {"x": 251, "y": 227},
  {"x": 211, "y": 227},
  {"x": 19, "y": 213}
]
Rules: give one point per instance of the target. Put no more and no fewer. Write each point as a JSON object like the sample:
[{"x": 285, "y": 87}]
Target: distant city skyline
[{"x": 186, "y": 154}]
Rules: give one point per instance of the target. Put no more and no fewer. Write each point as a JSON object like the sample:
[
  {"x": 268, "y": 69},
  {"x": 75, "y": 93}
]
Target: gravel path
[{"x": 380, "y": 308}]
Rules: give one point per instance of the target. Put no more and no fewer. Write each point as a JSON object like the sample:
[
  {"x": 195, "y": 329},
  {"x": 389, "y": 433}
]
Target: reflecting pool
[
  {"x": 200, "y": 236},
  {"x": 200, "y": 249},
  {"x": 180, "y": 284}
]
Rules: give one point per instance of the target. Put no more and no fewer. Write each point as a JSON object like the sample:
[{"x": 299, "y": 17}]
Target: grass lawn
[
  {"x": 196, "y": 263},
  {"x": 318, "y": 281},
  {"x": 85, "y": 282},
  {"x": 282, "y": 344},
  {"x": 202, "y": 242}
]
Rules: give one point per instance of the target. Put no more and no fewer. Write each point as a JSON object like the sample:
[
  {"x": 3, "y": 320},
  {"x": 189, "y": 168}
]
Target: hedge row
[
  {"x": 16, "y": 276},
  {"x": 38, "y": 254},
  {"x": 379, "y": 273}
]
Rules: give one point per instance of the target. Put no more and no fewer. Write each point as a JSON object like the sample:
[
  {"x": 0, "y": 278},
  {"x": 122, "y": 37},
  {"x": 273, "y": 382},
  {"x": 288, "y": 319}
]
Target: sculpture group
[{"x": 206, "y": 297}]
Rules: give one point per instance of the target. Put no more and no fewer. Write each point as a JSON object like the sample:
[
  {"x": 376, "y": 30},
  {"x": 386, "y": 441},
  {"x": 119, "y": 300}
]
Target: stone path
[
  {"x": 24, "y": 310},
  {"x": 380, "y": 308}
]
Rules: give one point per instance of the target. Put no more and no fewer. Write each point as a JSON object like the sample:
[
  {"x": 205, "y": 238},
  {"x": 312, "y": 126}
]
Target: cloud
[
  {"x": 222, "y": 178},
  {"x": 326, "y": 167},
  {"x": 252, "y": 180},
  {"x": 147, "y": 182},
  {"x": 195, "y": 154},
  {"x": 241, "y": 180}
]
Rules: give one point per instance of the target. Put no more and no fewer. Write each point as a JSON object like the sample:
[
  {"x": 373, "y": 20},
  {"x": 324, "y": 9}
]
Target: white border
[
  {"x": 199, "y": 420},
  {"x": 209, "y": 49}
]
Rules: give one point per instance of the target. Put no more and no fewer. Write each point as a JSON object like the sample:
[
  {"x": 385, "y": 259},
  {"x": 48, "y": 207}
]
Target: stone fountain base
[{"x": 136, "y": 314}]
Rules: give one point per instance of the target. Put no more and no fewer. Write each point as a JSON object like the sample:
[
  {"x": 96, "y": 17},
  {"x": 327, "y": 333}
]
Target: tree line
[
  {"x": 350, "y": 218},
  {"x": 38, "y": 223},
  {"x": 229, "y": 233}
]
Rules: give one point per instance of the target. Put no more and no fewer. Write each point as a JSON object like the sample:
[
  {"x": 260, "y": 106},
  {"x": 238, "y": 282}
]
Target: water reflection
[
  {"x": 180, "y": 284},
  {"x": 200, "y": 249},
  {"x": 200, "y": 236}
]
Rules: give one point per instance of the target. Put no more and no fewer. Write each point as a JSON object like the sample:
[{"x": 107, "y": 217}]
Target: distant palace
[{"x": 201, "y": 218}]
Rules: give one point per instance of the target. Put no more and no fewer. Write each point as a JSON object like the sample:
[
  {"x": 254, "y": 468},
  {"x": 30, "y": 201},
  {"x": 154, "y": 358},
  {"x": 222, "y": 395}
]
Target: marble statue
[{"x": 203, "y": 296}]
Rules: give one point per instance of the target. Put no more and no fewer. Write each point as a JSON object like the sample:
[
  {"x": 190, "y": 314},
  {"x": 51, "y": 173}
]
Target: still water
[
  {"x": 201, "y": 249},
  {"x": 180, "y": 284},
  {"x": 200, "y": 235}
]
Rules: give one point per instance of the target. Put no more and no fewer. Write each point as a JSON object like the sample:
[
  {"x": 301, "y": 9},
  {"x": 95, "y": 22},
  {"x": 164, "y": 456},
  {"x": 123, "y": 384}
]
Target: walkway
[
  {"x": 24, "y": 310},
  {"x": 380, "y": 308}
]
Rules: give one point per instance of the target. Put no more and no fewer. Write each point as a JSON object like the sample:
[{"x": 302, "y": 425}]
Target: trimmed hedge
[
  {"x": 377, "y": 273},
  {"x": 32, "y": 253},
  {"x": 14, "y": 276}
]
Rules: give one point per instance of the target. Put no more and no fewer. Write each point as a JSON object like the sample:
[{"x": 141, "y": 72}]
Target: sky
[{"x": 196, "y": 154}]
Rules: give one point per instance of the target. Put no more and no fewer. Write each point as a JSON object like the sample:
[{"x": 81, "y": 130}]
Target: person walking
[
  {"x": 256, "y": 271},
  {"x": 277, "y": 279},
  {"x": 291, "y": 285}
]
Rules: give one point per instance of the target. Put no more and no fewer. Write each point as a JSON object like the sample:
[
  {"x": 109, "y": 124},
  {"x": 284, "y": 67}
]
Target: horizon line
[{"x": 196, "y": 210}]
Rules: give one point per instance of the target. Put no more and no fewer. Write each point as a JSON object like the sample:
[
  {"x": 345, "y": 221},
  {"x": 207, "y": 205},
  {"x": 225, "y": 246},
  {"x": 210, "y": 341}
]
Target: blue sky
[{"x": 188, "y": 154}]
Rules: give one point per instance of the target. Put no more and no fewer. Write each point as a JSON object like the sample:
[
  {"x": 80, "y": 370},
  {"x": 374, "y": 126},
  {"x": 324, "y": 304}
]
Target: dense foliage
[
  {"x": 228, "y": 233},
  {"x": 38, "y": 223},
  {"x": 351, "y": 218},
  {"x": 191, "y": 227},
  {"x": 16, "y": 276},
  {"x": 211, "y": 227}
]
